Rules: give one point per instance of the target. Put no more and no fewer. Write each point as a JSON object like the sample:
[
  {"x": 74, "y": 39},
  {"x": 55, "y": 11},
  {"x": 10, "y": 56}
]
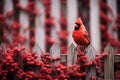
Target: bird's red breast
[{"x": 80, "y": 34}]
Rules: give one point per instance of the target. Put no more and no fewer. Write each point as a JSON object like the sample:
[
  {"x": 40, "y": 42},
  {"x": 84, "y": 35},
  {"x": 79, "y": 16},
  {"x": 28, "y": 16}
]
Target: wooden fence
[
  {"x": 71, "y": 58},
  {"x": 55, "y": 12}
]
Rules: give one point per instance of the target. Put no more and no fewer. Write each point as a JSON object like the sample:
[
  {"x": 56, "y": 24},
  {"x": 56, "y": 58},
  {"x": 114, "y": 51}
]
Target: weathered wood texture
[
  {"x": 112, "y": 15},
  {"x": 38, "y": 50},
  {"x": 39, "y": 25},
  {"x": 24, "y": 22},
  {"x": 55, "y": 53},
  {"x": 71, "y": 58},
  {"x": 95, "y": 24},
  {"x": 90, "y": 52},
  {"x": 71, "y": 17},
  {"x": 8, "y": 8},
  {"x": 55, "y": 12},
  {"x": 109, "y": 63},
  {"x": 3, "y": 49}
]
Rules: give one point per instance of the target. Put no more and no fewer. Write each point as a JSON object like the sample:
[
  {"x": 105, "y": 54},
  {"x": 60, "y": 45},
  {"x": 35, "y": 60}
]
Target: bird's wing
[{"x": 87, "y": 36}]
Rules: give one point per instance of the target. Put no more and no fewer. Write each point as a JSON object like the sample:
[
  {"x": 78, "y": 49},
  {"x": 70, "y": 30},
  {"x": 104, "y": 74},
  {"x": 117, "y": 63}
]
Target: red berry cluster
[
  {"x": 49, "y": 23},
  {"x": 2, "y": 19},
  {"x": 32, "y": 11},
  {"x": 29, "y": 8},
  {"x": 106, "y": 36},
  {"x": 63, "y": 33},
  {"x": 105, "y": 19},
  {"x": 23, "y": 65},
  {"x": 97, "y": 62},
  {"x": 16, "y": 63},
  {"x": 2, "y": 24}
]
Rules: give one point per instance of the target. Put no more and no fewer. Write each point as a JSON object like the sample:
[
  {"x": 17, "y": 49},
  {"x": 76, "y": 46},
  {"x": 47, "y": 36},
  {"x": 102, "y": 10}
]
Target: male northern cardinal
[{"x": 80, "y": 34}]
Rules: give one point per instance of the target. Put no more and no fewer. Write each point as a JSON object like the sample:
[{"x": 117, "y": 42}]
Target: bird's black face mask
[{"x": 77, "y": 27}]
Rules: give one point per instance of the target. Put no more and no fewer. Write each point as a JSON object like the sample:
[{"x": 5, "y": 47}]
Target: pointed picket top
[
  {"x": 109, "y": 61},
  {"x": 109, "y": 49},
  {"x": 38, "y": 50},
  {"x": 72, "y": 56},
  {"x": 72, "y": 46},
  {"x": 3, "y": 47},
  {"x": 90, "y": 53},
  {"x": 55, "y": 52}
]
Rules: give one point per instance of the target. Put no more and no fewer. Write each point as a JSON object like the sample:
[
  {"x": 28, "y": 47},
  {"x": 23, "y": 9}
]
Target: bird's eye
[{"x": 76, "y": 26}]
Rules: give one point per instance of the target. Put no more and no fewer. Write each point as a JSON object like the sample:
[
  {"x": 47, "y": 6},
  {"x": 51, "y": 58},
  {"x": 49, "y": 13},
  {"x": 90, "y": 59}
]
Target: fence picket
[
  {"x": 55, "y": 53},
  {"x": 94, "y": 24},
  {"x": 8, "y": 8},
  {"x": 71, "y": 17},
  {"x": 90, "y": 52},
  {"x": 38, "y": 50},
  {"x": 55, "y": 12},
  {"x": 112, "y": 15},
  {"x": 109, "y": 63},
  {"x": 3, "y": 49},
  {"x": 71, "y": 56},
  {"x": 24, "y": 22},
  {"x": 39, "y": 25}
]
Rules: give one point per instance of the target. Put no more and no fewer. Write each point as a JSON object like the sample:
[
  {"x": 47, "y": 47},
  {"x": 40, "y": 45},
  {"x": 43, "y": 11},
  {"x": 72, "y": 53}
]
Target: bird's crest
[{"x": 79, "y": 21}]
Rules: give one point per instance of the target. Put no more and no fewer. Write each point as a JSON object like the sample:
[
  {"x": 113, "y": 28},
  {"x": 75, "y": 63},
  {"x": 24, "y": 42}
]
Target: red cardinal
[{"x": 80, "y": 34}]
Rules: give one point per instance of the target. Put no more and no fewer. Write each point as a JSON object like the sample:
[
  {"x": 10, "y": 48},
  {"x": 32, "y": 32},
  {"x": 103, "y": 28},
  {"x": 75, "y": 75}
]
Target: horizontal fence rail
[
  {"x": 64, "y": 57},
  {"x": 72, "y": 56},
  {"x": 40, "y": 31}
]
